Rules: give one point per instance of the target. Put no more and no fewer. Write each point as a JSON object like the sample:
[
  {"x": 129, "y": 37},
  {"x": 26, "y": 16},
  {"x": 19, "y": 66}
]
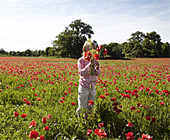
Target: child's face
[{"x": 89, "y": 48}]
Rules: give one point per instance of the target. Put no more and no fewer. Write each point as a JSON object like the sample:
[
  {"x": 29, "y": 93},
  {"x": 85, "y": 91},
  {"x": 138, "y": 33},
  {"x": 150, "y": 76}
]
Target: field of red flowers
[{"x": 38, "y": 100}]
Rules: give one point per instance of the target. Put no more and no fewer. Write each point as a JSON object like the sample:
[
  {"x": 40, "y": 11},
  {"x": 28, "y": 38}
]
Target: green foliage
[
  {"x": 69, "y": 43},
  {"x": 50, "y": 79}
]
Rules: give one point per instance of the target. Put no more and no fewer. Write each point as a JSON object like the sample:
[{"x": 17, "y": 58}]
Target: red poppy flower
[
  {"x": 115, "y": 108},
  {"x": 118, "y": 111},
  {"x": 46, "y": 128},
  {"x": 153, "y": 119},
  {"x": 39, "y": 99},
  {"x": 148, "y": 118},
  {"x": 96, "y": 56},
  {"x": 113, "y": 99},
  {"x": 28, "y": 103},
  {"x": 23, "y": 115},
  {"x": 89, "y": 131},
  {"x": 101, "y": 124},
  {"x": 91, "y": 102},
  {"x": 130, "y": 125},
  {"x": 61, "y": 101},
  {"x": 49, "y": 117},
  {"x": 16, "y": 114},
  {"x": 33, "y": 123},
  {"x": 101, "y": 133},
  {"x": 102, "y": 96},
  {"x": 65, "y": 93},
  {"x": 73, "y": 103},
  {"x": 63, "y": 98},
  {"x": 44, "y": 120},
  {"x": 138, "y": 104},
  {"x": 129, "y": 136},
  {"x": 162, "y": 103},
  {"x": 105, "y": 51},
  {"x": 138, "y": 111},
  {"x": 42, "y": 137},
  {"x": 132, "y": 108},
  {"x": 87, "y": 56},
  {"x": 146, "y": 137},
  {"x": 35, "y": 94},
  {"x": 0, "y": 90},
  {"x": 115, "y": 103},
  {"x": 33, "y": 134},
  {"x": 99, "y": 48},
  {"x": 107, "y": 94},
  {"x": 24, "y": 99}
]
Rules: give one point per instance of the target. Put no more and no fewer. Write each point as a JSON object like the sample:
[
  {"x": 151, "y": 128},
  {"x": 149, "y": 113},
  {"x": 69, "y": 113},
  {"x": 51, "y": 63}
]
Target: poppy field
[{"x": 38, "y": 99}]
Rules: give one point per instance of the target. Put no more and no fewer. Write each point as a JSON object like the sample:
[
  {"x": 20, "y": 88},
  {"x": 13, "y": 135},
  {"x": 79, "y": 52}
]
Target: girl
[{"x": 87, "y": 82}]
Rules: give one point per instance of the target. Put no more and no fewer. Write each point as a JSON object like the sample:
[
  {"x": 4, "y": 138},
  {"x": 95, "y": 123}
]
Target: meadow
[{"x": 38, "y": 99}]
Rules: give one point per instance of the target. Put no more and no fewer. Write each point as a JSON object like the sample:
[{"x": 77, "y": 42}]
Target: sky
[{"x": 34, "y": 24}]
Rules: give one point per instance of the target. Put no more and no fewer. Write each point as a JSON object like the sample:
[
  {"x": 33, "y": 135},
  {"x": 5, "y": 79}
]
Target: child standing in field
[{"x": 87, "y": 82}]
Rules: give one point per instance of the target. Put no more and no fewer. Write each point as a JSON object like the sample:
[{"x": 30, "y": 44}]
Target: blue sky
[{"x": 33, "y": 24}]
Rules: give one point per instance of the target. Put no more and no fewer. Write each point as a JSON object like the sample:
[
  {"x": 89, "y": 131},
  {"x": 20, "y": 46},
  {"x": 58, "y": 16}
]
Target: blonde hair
[{"x": 87, "y": 44}]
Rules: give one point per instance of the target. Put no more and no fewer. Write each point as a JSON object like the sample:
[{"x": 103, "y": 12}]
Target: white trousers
[{"x": 84, "y": 96}]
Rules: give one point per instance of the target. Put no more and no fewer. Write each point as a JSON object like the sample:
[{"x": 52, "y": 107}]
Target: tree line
[{"x": 69, "y": 43}]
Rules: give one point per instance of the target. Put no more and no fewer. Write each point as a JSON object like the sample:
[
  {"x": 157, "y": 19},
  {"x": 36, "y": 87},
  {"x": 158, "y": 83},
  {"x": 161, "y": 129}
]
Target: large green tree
[
  {"x": 156, "y": 43},
  {"x": 134, "y": 47},
  {"x": 69, "y": 42}
]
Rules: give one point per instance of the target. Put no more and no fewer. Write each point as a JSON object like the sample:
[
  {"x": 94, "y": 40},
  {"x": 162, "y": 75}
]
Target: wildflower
[
  {"x": 89, "y": 131},
  {"x": 107, "y": 94},
  {"x": 101, "y": 133},
  {"x": 153, "y": 119},
  {"x": 16, "y": 114},
  {"x": 44, "y": 120},
  {"x": 113, "y": 99},
  {"x": 33, "y": 123},
  {"x": 129, "y": 136},
  {"x": 132, "y": 108},
  {"x": 73, "y": 103},
  {"x": 61, "y": 101},
  {"x": 96, "y": 56},
  {"x": 33, "y": 134},
  {"x": 23, "y": 115},
  {"x": 24, "y": 99},
  {"x": 28, "y": 103},
  {"x": 91, "y": 102},
  {"x": 146, "y": 137},
  {"x": 105, "y": 51},
  {"x": 130, "y": 125},
  {"x": 87, "y": 56},
  {"x": 46, "y": 128},
  {"x": 102, "y": 96},
  {"x": 162, "y": 103},
  {"x": 39, "y": 99},
  {"x": 63, "y": 98},
  {"x": 148, "y": 118},
  {"x": 42, "y": 137},
  {"x": 49, "y": 117},
  {"x": 101, "y": 124}
]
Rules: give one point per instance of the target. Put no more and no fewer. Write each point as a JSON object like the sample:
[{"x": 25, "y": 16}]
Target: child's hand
[{"x": 97, "y": 64}]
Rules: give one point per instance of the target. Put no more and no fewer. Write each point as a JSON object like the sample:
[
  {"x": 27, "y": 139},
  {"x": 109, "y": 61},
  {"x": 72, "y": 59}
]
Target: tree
[
  {"x": 165, "y": 50},
  {"x": 155, "y": 40},
  {"x": 69, "y": 42},
  {"x": 135, "y": 46},
  {"x": 137, "y": 37}
]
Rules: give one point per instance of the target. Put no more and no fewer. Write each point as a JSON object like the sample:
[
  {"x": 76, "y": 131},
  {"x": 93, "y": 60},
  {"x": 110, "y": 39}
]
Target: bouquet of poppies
[{"x": 93, "y": 55}]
